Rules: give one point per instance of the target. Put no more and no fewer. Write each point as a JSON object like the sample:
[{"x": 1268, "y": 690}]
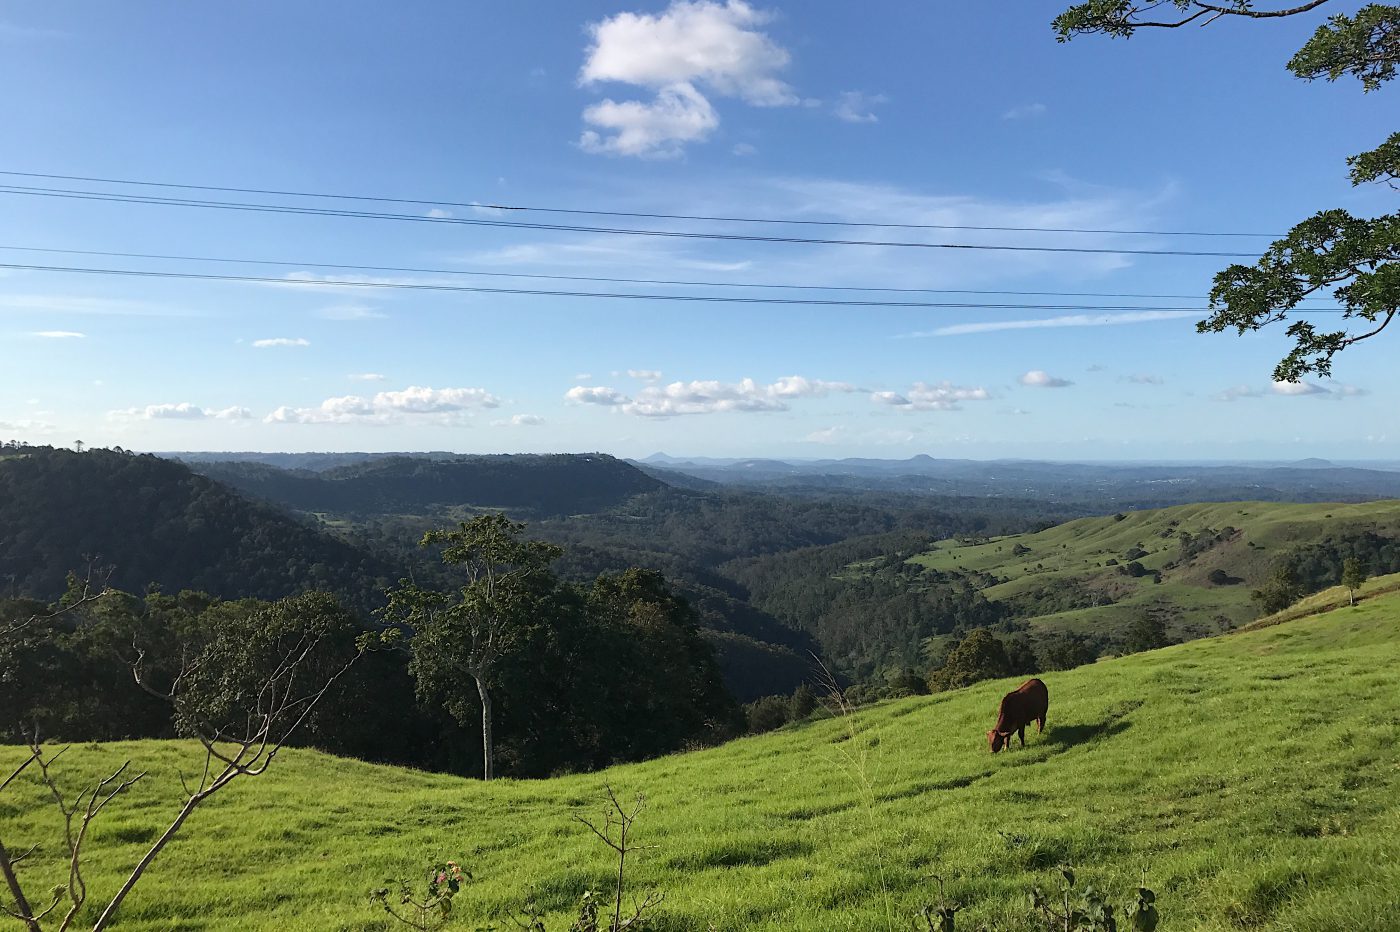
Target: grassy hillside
[
  {"x": 1071, "y": 563},
  {"x": 1252, "y": 776}
]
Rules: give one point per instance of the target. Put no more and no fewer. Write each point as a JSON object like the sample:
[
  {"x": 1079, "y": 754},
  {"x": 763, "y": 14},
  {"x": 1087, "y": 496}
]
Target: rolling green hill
[
  {"x": 1078, "y": 576},
  {"x": 1253, "y": 777}
]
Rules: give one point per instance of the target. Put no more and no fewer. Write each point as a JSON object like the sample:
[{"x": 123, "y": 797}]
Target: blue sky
[{"x": 909, "y": 113}]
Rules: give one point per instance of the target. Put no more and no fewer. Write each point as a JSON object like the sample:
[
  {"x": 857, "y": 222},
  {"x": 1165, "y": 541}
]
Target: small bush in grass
[{"x": 430, "y": 909}]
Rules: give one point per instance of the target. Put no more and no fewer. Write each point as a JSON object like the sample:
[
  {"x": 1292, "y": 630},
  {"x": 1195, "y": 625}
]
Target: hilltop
[
  {"x": 838, "y": 824},
  {"x": 555, "y": 484},
  {"x": 157, "y": 522},
  {"x": 1194, "y": 566}
]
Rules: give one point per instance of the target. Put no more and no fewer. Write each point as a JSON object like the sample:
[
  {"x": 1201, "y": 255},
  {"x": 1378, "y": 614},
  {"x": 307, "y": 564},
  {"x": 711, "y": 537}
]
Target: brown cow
[{"x": 1027, "y": 703}]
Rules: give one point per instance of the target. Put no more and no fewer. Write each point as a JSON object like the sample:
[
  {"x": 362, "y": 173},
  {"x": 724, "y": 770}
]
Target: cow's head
[{"x": 995, "y": 740}]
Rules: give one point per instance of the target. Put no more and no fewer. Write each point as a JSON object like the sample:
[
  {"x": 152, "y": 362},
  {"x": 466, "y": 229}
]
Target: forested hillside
[
  {"x": 532, "y": 486},
  {"x": 155, "y": 522}
]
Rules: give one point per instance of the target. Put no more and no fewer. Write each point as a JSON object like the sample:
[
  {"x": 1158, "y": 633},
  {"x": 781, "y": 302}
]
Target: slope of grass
[
  {"x": 1253, "y": 777},
  {"x": 1076, "y": 555}
]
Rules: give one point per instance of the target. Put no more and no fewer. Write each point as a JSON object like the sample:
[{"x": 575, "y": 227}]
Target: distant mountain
[
  {"x": 556, "y": 484},
  {"x": 1101, "y": 486},
  {"x": 155, "y": 521}
]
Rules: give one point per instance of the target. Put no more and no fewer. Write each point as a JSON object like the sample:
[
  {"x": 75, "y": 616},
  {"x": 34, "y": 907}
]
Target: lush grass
[
  {"x": 1254, "y": 777},
  {"x": 1077, "y": 552}
]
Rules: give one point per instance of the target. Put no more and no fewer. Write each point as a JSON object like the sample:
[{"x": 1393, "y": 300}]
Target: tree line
[{"x": 546, "y": 675}]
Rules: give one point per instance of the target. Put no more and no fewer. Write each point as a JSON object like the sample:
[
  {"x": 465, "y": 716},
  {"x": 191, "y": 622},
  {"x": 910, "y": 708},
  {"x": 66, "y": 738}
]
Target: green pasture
[
  {"x": 1254, "y": 779},
  {"x": 1078, "y": 553}
]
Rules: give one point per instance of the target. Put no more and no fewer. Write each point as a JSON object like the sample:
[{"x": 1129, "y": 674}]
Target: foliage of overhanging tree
[{"x": 1333, "y": 253}]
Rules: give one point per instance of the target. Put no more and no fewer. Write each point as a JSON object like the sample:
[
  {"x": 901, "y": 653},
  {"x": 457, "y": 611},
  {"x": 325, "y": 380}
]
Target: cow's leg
[
  {"x": 1021, "y": 732},
  {"x": 1040, "y": 725}
]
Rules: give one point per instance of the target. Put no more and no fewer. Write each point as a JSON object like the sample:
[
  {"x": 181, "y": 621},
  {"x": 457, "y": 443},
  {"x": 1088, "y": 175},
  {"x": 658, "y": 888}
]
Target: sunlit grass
[
  {"x": 1078, "y": 551},
  {"x": 1254, "y": 777}
]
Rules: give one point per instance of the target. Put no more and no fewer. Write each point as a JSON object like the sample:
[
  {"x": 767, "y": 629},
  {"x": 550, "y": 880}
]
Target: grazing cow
[{"x": 1027, "y": 703}]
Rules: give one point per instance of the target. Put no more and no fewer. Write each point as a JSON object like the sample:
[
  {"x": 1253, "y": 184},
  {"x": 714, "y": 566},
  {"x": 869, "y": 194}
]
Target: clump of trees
[{"x": 1315, "y": 567}]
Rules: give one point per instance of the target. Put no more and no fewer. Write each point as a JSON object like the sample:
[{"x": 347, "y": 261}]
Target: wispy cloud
[
  {"x": 281, "y": 341},
  {"x": 1068, "y": 320},
  {"x": 1143, "y": 378},
  {"x": 520, "y": 420},
  {"x": 857, "y": 107},
  {"x": 691, "y": 49},
  {"x": 350, "y": 312},
  {"x": 1236, "y": 392},
  {"x": 365, "y": 377},
  {"x": 646, "y": 375},
  {"x": 842, "y": 434},
  {"x": 59, "y": 334},
  {"x": 1025, "y": 112}
]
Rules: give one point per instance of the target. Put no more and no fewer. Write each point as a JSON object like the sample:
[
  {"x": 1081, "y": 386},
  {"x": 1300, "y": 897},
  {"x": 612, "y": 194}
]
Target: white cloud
[
  {"x": 365, "y": 377},
  {"x": 943, "y": 396},
  {"x": 857, "y": 107},
  {"x": 1068, "y": 320},
  {"x": 693, "y": 44},
  {"x": 59, "y": 334},
  {"x": 520, "y": 420},
  {"x": 1142, "y": 378},
  {"x": 708, "y": 396},
  {"x": 583, "y": 377},
  {"x": 703, "y": 41},
  {"x": 647, "y": 375},
  {"x": 437, "y": 213},
  {"x": 1025, "y": 111},
  {"x": 656, "y": 130},
  {"x": 181, "y": 411},
  {"x": 281, "y": 341},
  {"x": 1298, "y": 388},
  {"x": 1039, "y": 378},
  {"x": 440, "y": 405},
  {"x": 1336, "y": 392},
  {"x": 349, "y": 312},
  {"x": 596, "y": 395},
  {"x": 744, "y": 149}
]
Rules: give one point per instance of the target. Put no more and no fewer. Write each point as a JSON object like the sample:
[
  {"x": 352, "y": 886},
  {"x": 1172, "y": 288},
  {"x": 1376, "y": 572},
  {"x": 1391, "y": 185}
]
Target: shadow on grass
[{"x": 1064, "y": 737}]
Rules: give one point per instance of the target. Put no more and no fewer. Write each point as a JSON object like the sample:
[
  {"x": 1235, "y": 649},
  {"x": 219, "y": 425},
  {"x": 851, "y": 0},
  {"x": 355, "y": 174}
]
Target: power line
[
  {"x": 714, "y": 299},
  {"x": 576, "y": 228},
  {"x": 474, "y": 289},
  {"x": 425, "y": 202},
  {"x": 418, "y": 270}
]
